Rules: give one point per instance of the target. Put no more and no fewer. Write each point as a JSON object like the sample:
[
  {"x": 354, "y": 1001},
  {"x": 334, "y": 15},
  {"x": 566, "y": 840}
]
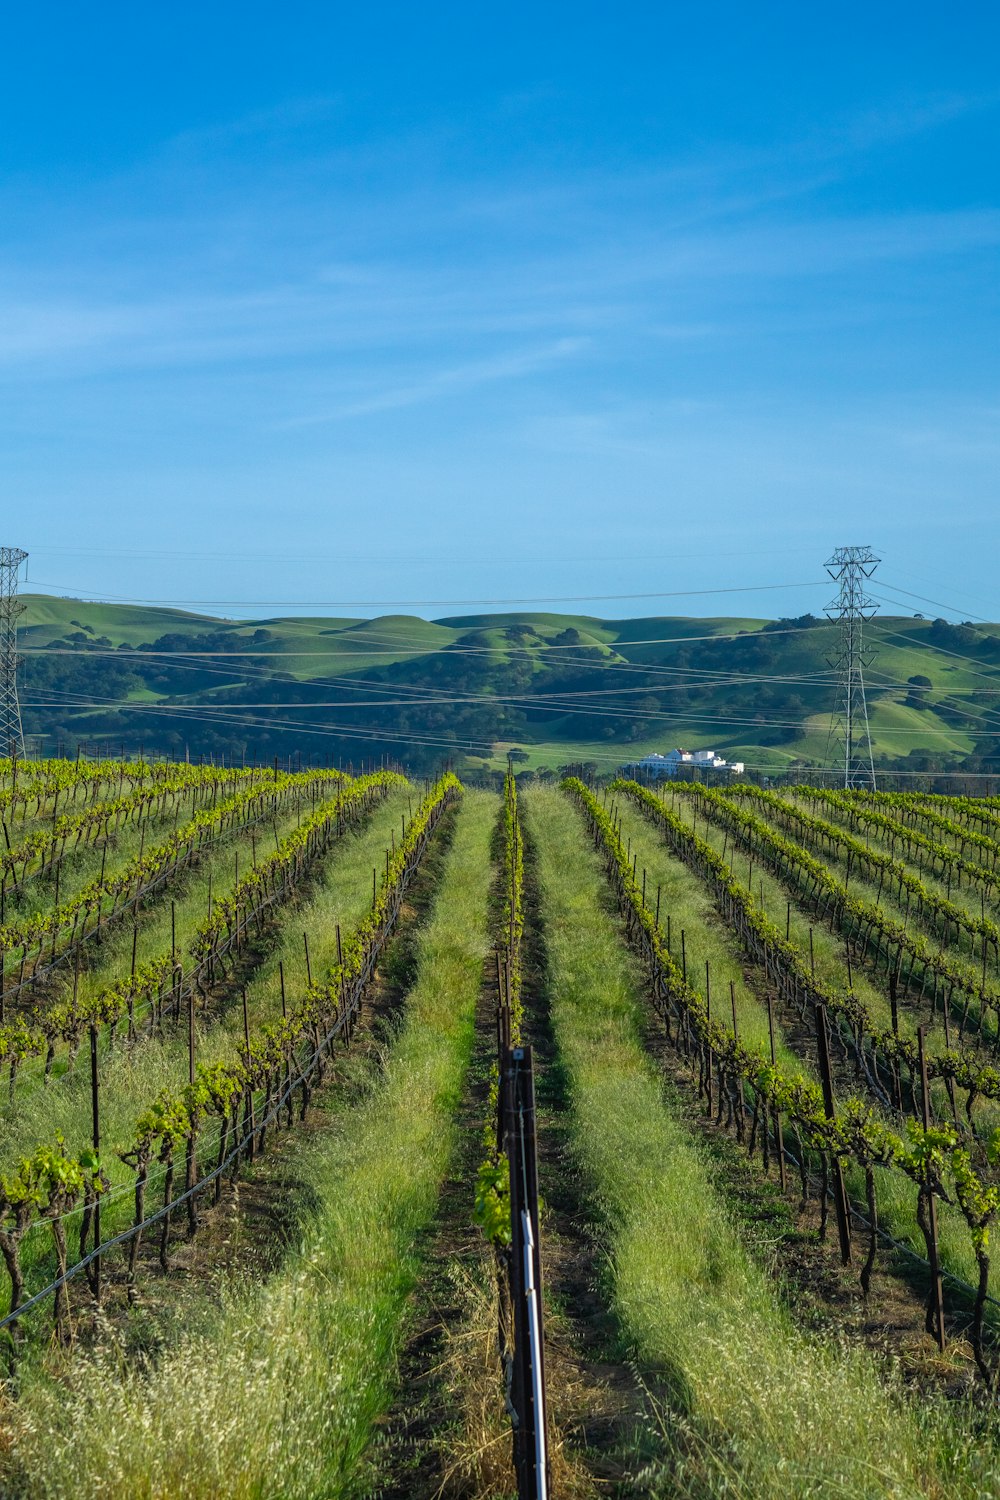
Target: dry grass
[
  {"x": 479, "y": 1462},
  {"x": 280, "y": 1394},
  {"x": 750, "y": 1403}
]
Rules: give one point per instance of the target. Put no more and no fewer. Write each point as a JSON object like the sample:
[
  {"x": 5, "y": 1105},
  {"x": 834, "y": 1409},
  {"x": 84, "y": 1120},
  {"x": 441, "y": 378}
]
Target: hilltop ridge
[{"x": 556, "y": 688}]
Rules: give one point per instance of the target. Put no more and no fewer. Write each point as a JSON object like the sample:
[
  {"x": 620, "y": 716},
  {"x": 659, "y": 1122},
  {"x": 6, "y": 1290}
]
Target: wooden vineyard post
[
  {"x": 740, "y": 1104},
  {"x": 779, "y": 1139},
  {"x": 95, "y": 1107},
  {"x": 839, "y": 1190},
  {"x": 708, "y": 1045},
  {"x": 935, "y": 1301},
  {"x": 191, "y": 1163},
  {"x": 949, "y": 1081},
  {"x": 528, "y": 1386},
  {"x": 249, "y": 1107}
]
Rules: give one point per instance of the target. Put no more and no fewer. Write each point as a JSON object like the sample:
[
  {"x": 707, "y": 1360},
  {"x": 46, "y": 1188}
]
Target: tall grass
[
  {"x": 280, "y": 1395},
  {"x": 829, "y": 951},
  {"x": 35, "y": 892},
  {"x": 897, "y": 1195},
  {"x": 968, "y": 895},
  {"x": 131, "y": 1078},
  {"x": 688, "y": 901},
  {"x": 753, "y": 1405},
  {"x": 175, "y": 913}
]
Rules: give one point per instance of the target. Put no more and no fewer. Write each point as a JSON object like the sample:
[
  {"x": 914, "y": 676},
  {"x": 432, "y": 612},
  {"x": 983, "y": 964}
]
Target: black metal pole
[{"x": 528, "y": 1387}]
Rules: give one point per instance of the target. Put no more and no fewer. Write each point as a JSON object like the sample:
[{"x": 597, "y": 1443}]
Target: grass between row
[
  {"x": 182, "y": 903},
  {"x": 35, "y": 892},
  {"x": 77, "y": 863},
  {"x": 808, "y": 931},
  {"x": 123, "y": 850},
  {"x": 131, "y": 1078},
  {"x": 896, "y": 1194},
  {"x": 862, "y": 884},
  {"x": 278, "y": 1394},
  {"x": 686, "y": 900},
  {"x": 752, "y": 1404},
  {"x": 964, "y": 892},
  {"x": 176, "y": 912}
]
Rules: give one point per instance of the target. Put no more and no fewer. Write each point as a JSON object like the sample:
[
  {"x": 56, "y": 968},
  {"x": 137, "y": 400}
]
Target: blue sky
[{"x": 308, "y": 304}]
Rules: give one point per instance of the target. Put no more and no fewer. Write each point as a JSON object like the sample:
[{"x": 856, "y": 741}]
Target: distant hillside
[{"x": 554, "y": 688}]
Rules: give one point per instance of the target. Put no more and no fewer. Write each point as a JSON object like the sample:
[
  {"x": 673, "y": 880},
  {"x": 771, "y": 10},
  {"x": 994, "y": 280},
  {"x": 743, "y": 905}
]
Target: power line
[
  {"x": 922, "y": 599},
  {"x": 559, "y": 702},
  {"x": 189, "y": 555},
  {"x": 914, "y": 640},
  {"x": 486, "y": 748},
  {"x": 242, "y": 666},
  {"x": 239, "y": 713},
  {"x": 533, "y": 599},
  {"x": 360, "y": 647}
]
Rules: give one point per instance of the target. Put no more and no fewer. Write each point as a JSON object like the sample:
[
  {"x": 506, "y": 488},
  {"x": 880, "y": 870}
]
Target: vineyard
[{"x": 366, "y": 1136}]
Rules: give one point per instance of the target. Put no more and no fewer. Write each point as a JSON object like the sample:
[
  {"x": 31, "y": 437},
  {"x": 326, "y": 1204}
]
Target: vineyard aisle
[
  {"x": 744, "y": 1401},
  {"x": 131, "y": 1079},
  {"x": 449, "y": 1433},
  {"x": 278, "y": 1394}
]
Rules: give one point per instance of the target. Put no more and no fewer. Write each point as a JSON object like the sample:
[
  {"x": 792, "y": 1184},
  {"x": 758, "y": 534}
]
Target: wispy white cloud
[
  {"x": 290, "y": 117},
  {"x": 652, "y": 284},
  {"x": 897, "y": 120},
  {"x": 453, "y": 381},
  {"x": 341, "y": 287}
]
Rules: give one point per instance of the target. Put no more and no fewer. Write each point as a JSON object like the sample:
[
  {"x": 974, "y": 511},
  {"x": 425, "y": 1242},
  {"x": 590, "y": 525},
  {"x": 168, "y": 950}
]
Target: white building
[{"x": 656, "y": 767}]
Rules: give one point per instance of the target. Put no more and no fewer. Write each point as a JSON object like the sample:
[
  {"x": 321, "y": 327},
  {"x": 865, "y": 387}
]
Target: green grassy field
[
  {"x": 560, "y": 688},
  {"x": 290, "y": 1409},
  {"x": 325, "y": 1329},
  {"x": 752, "y": 1404}
]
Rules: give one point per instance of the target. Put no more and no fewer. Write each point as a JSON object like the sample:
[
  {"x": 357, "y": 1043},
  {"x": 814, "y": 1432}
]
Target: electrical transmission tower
[
  {"x": 851, "y": 568},
  {"x": 11, "y": 738}
]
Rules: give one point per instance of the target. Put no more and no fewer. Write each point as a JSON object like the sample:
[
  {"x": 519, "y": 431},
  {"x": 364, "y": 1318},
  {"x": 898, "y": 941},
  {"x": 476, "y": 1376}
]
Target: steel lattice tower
[
  {"x": 11, "y": 737},
  {"x": 851, "y": 567}
]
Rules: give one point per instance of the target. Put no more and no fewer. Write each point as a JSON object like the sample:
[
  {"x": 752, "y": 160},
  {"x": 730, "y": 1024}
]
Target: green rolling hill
[{"x": 554, "y": 688}]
